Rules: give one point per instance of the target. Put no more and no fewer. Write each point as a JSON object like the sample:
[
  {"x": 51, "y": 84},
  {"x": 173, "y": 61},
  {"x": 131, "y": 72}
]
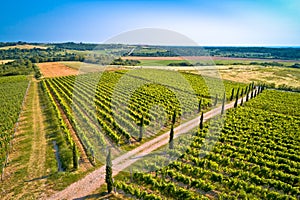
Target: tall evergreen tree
[
  {"x": 75, "y": 157},
  {"x": 252, "y": 86},
  {"x": 174, "y": 117},
  {"x": 238, "y": 92},
  {"x": 201, "y": 121},
  {"x": 242, "y": 101},
  {"x": 216, "y": 100},
  {"x": 108, "y": 175},
  {"x": 232, "y": 94},
  {"x": 141, "y": 128},
  {"x": 200, "y": 105},
  {"x": 246, "y": 90},
  {"x": 171, "y": 141},
  {"x": 242, "y": 92},
  {"x": 223, "y": 104},
  {"x": 236, "y": 100}
]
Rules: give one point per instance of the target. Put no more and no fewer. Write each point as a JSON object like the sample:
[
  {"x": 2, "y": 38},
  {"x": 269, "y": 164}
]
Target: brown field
[
  {"x": 55, "y": 69},
  {"x": 25, "y": 46}
]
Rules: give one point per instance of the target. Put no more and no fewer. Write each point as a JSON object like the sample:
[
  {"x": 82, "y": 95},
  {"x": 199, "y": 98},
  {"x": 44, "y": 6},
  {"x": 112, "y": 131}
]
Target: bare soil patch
[{"x": 56, "y": 69}]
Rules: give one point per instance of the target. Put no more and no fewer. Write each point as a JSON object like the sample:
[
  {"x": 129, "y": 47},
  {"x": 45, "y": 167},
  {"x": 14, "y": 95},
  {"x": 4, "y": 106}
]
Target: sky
[{"x": 207, "y": 22}]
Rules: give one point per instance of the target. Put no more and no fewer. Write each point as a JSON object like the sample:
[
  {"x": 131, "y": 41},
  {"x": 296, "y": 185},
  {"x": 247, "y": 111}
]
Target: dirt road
[{"x": 94, "y": 180}]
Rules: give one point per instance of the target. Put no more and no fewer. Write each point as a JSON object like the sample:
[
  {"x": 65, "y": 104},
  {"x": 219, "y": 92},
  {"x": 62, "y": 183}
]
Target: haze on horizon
[{"x": 208, "y": 23}]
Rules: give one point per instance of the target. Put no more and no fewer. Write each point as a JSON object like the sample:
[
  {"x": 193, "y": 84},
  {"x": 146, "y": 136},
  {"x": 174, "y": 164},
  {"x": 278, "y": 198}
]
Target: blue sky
[{"x": 210, "y": 22}]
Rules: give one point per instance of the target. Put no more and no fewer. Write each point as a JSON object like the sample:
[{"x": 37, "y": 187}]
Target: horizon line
[{"x": 199, "y": 45}]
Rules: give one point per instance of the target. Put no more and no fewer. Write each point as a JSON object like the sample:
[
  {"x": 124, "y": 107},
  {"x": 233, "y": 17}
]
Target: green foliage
[
  {"x": 155, "y": 102},
  {"x": 108, "y": 172},
  {"x": 223, "y": 104},
  {"x": 141, "y": 128},
  {"x": 180, "y": 64},
  {"x": 39, "y": 55},
  {"x": 255, "y": 157},
  {"x": 66, "y": 147},
  {"x": 120, "y": 61},
  {"x": 278, "y": 101},
  {"x": 201, "y": 121},
  {"x": 296, "y": 65},
  {"x": 18, "y": 67},
  {"x": 12, "y": 93},
  {"x": 75, "y": 157},
  {"x": 232, "y": 94},
  {"x": 200, "y": 105},
  {"x": 171, "y": 140}
]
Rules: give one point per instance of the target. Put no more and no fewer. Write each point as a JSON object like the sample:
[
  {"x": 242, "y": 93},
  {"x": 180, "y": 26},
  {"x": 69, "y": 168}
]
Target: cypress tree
[
  {"x": 242, "y": 92},
  {"x": 108, "y": 175},
  {"x": 199, "y": 106},
  {"x": 232, "y": 94},
  {"x": 223, "y": 104},
  {"x": 171, "y": 142},
  {"x": 141, "y": 128},
  {"x": 236, "y": 100},
  {"x": 75, "y": 157},
  {"x": 238, "y": 92},
  {"x": 201, "y": 121},
  {"x": 174, "y": 117},
  {"x": 247, "y": 97},
  {"x": 216, "y": 100}
]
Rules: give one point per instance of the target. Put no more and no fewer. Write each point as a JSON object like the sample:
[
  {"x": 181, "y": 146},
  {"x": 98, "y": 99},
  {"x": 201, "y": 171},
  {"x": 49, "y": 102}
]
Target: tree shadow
[{"x": 36, "y": 179}]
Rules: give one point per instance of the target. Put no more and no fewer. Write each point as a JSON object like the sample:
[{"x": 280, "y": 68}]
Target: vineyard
[
  {"x": 12, "y": 92},
  {"x": 254, "y": 157},
  {"x": 126, "y": 101}
]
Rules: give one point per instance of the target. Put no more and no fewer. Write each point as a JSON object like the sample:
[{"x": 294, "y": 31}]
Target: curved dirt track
[{"x": 95, "y": 179}]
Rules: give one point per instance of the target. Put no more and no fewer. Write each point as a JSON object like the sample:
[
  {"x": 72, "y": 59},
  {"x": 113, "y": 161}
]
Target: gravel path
[{"x": 94, "y": 180}]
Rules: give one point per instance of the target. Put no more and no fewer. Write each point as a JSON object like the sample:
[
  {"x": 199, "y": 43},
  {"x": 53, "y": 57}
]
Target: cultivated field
[
  {"x": 56, "y": 69},
  {"x": 217, "y": 130},
  {"x": 249, "y": 160}
]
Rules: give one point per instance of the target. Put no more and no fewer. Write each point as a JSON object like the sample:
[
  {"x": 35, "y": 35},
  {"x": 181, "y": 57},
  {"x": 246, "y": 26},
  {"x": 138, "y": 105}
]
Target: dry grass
[
  {"x": 89, "y": 67},
  {"x": 248, "y": 74},
  {"x": 25, "y": 46}
]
